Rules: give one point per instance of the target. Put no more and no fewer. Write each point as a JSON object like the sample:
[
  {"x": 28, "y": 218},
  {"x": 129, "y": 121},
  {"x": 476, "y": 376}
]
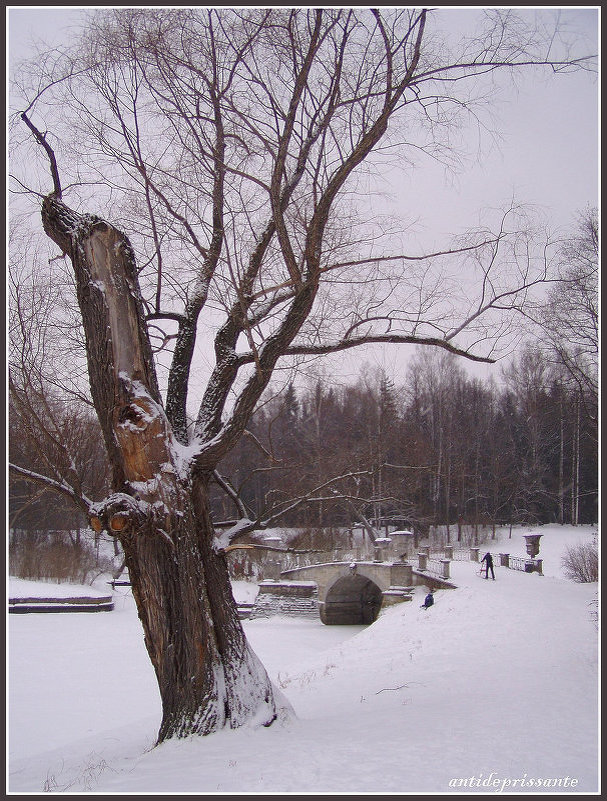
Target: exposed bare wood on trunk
[{"x": 207, "y": 674}]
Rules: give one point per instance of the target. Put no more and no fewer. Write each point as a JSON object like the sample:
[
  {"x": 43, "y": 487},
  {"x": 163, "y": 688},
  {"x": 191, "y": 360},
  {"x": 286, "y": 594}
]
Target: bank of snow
[
  {"x": 24, "y": 588},
  {"x": 497, "y": 678}
]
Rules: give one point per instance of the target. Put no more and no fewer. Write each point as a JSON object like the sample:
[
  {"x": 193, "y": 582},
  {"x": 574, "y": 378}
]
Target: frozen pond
[
  {"x": 283, "y": 642},
  {"x": 92, "y": 672}
]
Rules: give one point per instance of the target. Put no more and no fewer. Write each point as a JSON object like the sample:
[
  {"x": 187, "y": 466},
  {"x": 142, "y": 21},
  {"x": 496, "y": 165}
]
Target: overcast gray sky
[
  {"x": 549, "y": 130},
  {"x": 548, "y": 153}
]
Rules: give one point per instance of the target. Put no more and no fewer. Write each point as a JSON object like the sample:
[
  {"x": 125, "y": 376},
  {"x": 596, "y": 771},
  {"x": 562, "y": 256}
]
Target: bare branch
[
  {"x": 41, "y": 139},
  {"x": 79, "y": 500},
  {"x": 392, "y": 339}
]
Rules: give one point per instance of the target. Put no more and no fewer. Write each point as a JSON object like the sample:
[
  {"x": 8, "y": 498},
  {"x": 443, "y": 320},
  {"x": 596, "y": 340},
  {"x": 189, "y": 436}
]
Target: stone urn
[{"x": 533, "y": 544}]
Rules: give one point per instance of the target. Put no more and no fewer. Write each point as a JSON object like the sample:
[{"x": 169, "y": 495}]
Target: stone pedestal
[
  {"x": 381, "y": 549},
  {"x": 401, "y": 544},
  {"x": 534, "y": 566},
  {"x": 401, "y": 574}
]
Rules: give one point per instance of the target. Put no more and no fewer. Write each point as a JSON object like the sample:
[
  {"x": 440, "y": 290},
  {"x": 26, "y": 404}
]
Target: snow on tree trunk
[{"x": 207, "y": 674}]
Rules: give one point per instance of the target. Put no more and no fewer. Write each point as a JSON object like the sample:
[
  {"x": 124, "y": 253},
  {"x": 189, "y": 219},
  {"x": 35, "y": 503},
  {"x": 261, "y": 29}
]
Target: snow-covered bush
[{"x": 581, "y": 562}]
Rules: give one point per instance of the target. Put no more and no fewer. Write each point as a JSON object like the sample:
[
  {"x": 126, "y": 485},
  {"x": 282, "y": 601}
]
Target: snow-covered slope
[{"x": 497, "y": 682}]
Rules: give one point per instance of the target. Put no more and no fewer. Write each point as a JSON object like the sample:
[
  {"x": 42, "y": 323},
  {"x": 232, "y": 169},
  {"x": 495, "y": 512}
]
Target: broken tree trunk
[{"x": 207, "y": 674}]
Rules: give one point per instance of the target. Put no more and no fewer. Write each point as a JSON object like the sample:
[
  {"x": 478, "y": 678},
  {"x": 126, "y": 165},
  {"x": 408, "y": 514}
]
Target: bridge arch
[{"x": 352, "y": 599}]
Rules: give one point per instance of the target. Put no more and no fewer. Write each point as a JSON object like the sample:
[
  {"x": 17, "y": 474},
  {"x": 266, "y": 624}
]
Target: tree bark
[{"x": 207, "y": 674}]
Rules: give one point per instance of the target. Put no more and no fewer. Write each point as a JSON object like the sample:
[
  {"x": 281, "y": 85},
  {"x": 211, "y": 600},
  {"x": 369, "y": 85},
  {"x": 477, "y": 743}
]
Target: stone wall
[{"x": 285, "y": 598}]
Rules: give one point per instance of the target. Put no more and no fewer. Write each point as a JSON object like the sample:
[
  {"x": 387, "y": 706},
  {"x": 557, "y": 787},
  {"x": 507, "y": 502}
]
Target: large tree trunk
[{"x": 207, "y": 674}]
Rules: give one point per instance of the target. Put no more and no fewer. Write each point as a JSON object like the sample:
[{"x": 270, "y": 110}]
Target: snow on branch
[{"x": 79, "y": 499}]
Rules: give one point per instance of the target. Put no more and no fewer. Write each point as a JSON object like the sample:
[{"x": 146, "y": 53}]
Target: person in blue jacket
[
  {"x": 429, "y": 600},
  {"x": 489, "y": 565}
]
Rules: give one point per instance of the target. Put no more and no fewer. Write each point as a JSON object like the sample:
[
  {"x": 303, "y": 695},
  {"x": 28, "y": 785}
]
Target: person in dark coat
[
  {"x": 429, "y": 600},
  {"x": 488, "y": 559}
]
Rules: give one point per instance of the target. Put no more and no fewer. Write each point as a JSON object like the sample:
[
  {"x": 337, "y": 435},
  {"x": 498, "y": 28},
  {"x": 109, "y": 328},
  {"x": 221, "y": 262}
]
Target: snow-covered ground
[
  {"x": 493, "y": 689},
  {"x": 24, "y": 588}
]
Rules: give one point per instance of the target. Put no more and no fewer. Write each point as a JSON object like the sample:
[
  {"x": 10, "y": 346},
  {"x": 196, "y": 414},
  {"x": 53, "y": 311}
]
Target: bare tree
[
  {"x": 570, "y": 317},
  {"x": 55, "y": 442},
  {"x": 229, "y": 142}
]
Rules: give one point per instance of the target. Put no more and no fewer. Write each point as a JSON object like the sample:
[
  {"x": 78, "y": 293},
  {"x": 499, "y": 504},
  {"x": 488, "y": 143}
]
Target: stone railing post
[
  {"x": 474, "y": 554},
  {"x": 445, "y": 568},
  {"x": 448, "y": 551},
  {"x": 504, "y": 560},
  {"x": 422, "y": 559},
  {"x": 425, "y": 549}
]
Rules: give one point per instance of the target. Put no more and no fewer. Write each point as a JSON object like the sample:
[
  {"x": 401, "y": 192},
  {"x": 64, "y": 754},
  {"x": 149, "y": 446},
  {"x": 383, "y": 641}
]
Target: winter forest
[
  {"x": 197, "y": 222},
  {"x": 438, "y": 448},
  {"x": 441, "y": 449}
]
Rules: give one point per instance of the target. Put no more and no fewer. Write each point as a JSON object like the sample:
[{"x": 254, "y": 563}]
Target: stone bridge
[{"x": 345, "y": 593}]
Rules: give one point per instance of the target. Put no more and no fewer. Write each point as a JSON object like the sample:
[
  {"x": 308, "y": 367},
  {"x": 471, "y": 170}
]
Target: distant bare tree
[
  {"x": 55, "y": 437},
  {"x": 571, "y": 315},
  {"x": 230, "y": 144}
]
